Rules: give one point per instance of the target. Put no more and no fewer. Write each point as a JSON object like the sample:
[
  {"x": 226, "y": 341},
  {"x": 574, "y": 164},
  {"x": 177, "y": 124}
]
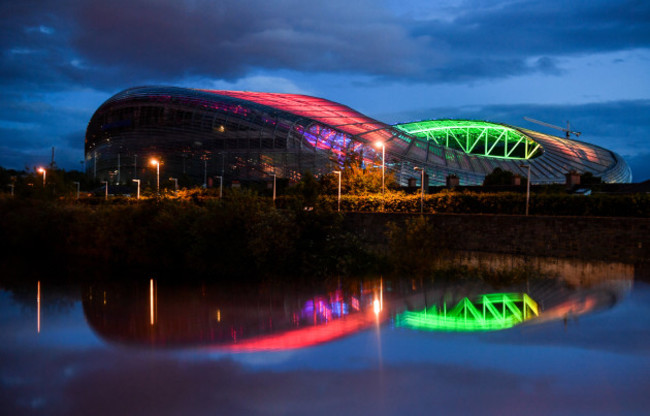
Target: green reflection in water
[{"x": 488, "y": 312}]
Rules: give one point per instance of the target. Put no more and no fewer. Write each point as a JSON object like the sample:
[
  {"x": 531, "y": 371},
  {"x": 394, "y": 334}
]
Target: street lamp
[
  {"x": 157, "y": 164},
  {"x": 78, "y": 185},
  {"x": 175, "y": 180},
  {"x": 205, "y": 172},
  {"x": 220, "y": 186},
  {"x": 527, "y": 186},
  {"x": 274, "y": 183},
  {"x": 44, "y": 172},
  {"x": 383, "y": 162},
  {"x": 106, "y": 191},
  {"x": 338, "y": 172},
  {"x": 138, "y": 182},
  {"x": 421, "y": 189}
]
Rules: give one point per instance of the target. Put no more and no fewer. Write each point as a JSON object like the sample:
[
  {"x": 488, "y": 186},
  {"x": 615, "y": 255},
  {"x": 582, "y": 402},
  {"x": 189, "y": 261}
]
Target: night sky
[{"x": 585, "y": 61}]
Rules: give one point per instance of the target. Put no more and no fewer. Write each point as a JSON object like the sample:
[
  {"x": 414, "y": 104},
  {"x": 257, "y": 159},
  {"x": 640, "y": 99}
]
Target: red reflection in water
[
  {"x": 311, "y": 335},
  {"x": 211, "y": 317}
]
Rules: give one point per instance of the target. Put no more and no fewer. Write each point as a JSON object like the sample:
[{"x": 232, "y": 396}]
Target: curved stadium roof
[{"x": 467, "y": 148}]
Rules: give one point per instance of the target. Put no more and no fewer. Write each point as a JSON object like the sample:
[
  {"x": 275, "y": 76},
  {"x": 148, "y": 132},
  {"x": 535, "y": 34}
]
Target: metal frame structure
[
  {"x": 199, "y": 135},
  {"x": 475, "y": 137},
  {"x": 488, "y": 312}
]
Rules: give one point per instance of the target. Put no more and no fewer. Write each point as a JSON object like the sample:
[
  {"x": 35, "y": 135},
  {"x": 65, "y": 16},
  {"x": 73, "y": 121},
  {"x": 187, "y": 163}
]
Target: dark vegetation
[
  {"x": 241, "y": 236},
  {"x": 195, "y": 234},
  {"x": 508, "y": 203}
]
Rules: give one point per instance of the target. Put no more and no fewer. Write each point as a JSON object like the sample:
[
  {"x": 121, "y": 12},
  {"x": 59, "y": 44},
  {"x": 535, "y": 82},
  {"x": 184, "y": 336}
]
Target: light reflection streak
[
  {"x": 378, "y": 306},
  {"x": 381, "y": 294},
  {"x": 151, "y": 303},
  {"x": 307, "y": 336},
  {"x": 38, "y": 307}
]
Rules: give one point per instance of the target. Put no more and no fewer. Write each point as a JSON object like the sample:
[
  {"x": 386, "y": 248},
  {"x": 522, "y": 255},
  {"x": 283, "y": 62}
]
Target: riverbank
[
  {"x": 245, "y": 237},
  {"x": 614, "y": 239}
]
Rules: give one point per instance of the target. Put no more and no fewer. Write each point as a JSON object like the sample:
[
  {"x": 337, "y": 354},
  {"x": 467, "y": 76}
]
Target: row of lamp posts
[{"x": 156, "y": 163}]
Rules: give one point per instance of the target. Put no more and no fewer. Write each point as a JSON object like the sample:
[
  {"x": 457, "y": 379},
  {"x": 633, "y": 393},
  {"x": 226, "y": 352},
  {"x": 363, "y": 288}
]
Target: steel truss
[{"x": 474, "y": 137}]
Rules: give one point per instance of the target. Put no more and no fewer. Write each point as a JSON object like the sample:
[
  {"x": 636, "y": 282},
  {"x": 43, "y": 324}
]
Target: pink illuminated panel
[{"x": 329, "y": 113}]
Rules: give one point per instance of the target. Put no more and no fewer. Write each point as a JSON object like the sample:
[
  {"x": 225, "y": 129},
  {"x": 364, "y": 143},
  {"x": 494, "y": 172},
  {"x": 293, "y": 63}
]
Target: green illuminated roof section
[
  {"x": 475, "y": 137},
  {"x": 489, "y": 312}
]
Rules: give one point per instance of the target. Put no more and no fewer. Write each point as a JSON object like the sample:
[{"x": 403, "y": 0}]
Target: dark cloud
[
  {"x": 229, "y": 38},
  {"x": 105, "y": 44},
  {"x": 531, "y": 28}
]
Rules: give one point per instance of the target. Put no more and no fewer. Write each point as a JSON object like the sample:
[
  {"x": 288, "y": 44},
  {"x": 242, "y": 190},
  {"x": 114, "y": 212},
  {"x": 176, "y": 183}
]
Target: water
[{"x": 150, "y": 347}]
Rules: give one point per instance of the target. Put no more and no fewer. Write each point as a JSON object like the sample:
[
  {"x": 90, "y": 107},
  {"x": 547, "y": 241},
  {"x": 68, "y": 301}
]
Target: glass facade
[{"x": 199, "y": 135}]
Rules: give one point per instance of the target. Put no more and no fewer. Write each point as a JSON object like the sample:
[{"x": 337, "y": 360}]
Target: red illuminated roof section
[{"x": 326, "y": 112}]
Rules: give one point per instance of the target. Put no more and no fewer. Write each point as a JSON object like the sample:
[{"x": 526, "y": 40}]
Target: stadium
[{"x": 236, "y": 136}]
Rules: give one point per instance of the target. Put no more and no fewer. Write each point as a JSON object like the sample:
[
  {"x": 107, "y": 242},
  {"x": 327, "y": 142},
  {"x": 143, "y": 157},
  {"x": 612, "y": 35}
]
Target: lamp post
[
  {"x": 527, "y": 186},
  {"x": 220, "y": 186},
  {"x": 175, "y": 180},
  {"x": 12, "y": 186},
  {"x": 274, "y": 182},
  {"x": 338, "y": 172},
  {"x": 205, "y": 172},
  {"x": 383, "y": 162},
  {"x": 78, "y": 185},
  {"x": 138, "y": 192},
  {"x": 421, "y": 189},
  {"x": 44, "y": 172},
  {"x": 157, "y": 164},
  {"x": 106, "y": 190}
]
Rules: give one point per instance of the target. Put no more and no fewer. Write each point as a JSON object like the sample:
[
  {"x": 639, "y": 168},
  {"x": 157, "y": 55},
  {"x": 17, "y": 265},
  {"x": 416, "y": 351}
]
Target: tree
[
  {"x": 357, "y": 178},
  {"x": 307, "y": 189}
]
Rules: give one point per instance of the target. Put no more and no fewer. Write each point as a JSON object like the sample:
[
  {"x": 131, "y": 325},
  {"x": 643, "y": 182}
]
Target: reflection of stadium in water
[
  {"x": 209, "y": 316},
  {"x": 152, "y": 313}
]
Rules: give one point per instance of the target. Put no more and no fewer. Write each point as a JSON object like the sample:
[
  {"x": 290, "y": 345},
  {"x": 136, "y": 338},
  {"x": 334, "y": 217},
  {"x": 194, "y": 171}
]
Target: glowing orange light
[
  {"x": 154, "y": 162},
  {"x": 379, "y": 144},
  {"x": 38, "y": 307},
  {"x": 151, "y": 306},
  {"x": 44, "y": 172},
  {"x": 376, "y": 307}
]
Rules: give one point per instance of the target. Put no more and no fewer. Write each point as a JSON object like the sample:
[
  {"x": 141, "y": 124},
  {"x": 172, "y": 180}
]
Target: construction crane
[{"x": 567, "y": 131}]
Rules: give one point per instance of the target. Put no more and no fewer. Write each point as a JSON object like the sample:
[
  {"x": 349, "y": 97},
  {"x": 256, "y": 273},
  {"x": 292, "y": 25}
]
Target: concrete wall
[{"x": 624, "y": 240}]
